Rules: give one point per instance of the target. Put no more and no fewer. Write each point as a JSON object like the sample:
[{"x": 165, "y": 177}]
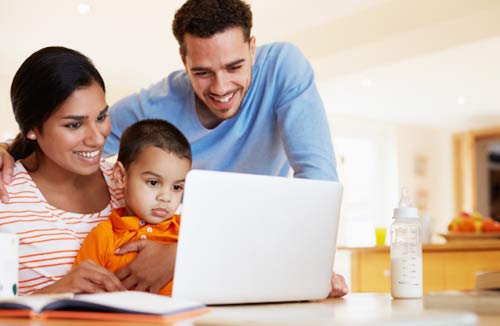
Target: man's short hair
[
  {"x": 152, "y": 132},
  {"x": 205, "y": 18}
]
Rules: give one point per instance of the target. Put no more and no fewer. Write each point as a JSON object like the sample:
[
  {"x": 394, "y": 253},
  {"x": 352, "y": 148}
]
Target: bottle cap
[{"x": 405, "y": 209}]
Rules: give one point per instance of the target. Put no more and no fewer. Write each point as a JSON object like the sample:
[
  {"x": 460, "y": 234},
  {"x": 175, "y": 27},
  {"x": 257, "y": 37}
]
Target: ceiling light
[
  {"x": 460, "y": 100},
  {"x": 83, "y": 8}
]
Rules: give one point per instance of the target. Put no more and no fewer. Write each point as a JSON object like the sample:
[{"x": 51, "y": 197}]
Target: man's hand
[
  {"x": 339, "y": 286},
  {"x": 153, "y": 267},
  {"x": 86, "y": 277},
  {"x": 7, "y": 169}
]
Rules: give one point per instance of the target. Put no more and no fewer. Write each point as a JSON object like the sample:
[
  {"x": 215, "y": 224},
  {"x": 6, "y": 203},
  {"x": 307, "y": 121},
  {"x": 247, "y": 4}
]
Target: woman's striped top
[{"x": 49, "y": 238}]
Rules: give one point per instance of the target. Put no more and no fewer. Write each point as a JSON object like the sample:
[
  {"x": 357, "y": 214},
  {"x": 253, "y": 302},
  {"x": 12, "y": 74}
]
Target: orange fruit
[
  {"x": 490, "y": 225},
  {"x": 466, "y": 225}
]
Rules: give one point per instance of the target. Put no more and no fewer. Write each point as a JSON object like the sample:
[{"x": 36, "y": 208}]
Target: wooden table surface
[{"x": 354, "y": 309}]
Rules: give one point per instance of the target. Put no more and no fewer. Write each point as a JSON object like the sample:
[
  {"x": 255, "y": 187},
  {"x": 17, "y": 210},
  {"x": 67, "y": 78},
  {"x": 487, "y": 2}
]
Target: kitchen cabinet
[{"x": 450, "y": 266}]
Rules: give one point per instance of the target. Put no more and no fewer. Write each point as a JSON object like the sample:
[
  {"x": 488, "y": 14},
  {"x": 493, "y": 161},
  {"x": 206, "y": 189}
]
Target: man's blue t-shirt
[{"x": 281, "y": 121}]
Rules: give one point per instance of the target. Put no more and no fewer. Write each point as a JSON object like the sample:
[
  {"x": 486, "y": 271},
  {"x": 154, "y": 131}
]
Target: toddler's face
[{"x": 154, "y": 184}]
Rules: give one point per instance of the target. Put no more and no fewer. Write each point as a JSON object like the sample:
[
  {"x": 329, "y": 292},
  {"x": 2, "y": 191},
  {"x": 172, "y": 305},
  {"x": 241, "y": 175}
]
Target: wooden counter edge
[{"x": 466, "y": 245}]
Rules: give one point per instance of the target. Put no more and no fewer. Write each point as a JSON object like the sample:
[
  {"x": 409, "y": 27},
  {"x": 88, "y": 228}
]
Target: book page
[
  {"x": 136, "y": 302},
  {"x": 35, "y": 302}
]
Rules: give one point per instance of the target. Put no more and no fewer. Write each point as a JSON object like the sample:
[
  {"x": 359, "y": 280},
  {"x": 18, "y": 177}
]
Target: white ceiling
[{"x": 402, "y": 60}]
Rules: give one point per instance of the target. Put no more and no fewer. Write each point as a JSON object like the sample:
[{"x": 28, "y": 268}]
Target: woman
[{"x": 60, "y": 188}]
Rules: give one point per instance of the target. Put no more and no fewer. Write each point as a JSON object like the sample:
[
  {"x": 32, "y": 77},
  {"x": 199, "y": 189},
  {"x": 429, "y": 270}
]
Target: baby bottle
[{"x": 406, "y": 250}]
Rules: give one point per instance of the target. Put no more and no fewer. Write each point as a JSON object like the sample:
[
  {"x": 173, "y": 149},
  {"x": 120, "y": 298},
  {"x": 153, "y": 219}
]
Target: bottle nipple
[
  {"x": 405, "y": 200},
  {"x": 406, "y": 208}
]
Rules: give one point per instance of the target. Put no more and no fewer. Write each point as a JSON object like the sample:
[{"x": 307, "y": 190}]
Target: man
[{"x": 242, "y": 108}]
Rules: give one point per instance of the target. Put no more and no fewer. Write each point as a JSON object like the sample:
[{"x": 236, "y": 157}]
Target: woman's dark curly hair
[{"x": 205, "y": 18}]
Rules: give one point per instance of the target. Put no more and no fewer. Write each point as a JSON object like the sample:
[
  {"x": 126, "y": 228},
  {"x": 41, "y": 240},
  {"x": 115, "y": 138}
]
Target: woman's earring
[{"x": 31, "y": 135}]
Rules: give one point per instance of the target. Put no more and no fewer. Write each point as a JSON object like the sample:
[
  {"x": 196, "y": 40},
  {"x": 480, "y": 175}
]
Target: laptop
[{"x": 247, "y": 238}]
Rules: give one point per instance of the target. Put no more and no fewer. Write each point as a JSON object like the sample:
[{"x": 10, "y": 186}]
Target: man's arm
[
  {"x": 302, "y": 120},
  {"x": 339, "y": 286},
  {"x": 305, "y": 131}
]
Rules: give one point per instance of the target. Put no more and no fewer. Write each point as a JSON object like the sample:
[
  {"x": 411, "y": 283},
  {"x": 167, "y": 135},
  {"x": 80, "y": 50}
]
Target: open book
[{"x": 117, "y": 306}]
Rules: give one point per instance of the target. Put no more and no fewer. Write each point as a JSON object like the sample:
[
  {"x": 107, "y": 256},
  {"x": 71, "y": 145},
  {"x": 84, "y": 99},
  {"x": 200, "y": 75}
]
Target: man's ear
[
  {"x": 183, "y": 57},
  {"x": 119, "y": 175},
  {"x": 252, "y": 48}
]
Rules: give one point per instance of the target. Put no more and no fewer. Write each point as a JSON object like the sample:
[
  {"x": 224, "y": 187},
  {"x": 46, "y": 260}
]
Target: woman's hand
[
  {"x": 7, "y": 169},
  {"x": 86, "y": 277},
  {"x": 339, "y": 286},
  {"x": 153, "y": 267}
]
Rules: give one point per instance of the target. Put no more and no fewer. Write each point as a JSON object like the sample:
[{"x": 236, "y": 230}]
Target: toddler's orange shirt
[{"x": 107, "y": 236}]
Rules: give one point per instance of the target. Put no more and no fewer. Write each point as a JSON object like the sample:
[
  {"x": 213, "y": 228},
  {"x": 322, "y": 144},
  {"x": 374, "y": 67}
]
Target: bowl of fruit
[{"x": 472, "y": 226}]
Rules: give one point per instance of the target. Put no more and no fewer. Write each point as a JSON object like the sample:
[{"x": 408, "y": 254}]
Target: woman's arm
[
  {"x": 151, "y": 269},
  {"x": 86, "y": 277}
]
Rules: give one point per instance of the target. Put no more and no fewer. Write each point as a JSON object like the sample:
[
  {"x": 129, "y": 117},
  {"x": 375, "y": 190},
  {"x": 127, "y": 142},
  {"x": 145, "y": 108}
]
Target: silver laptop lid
[{"x": 251, "y": 238}]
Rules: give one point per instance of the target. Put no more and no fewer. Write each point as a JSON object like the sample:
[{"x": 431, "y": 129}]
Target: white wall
[
  {"x": 8, "y": 125},
  {"x": 431, "y": 151},
  {"x": 401, "y": 155},
  {"x": 366, "y": 159}
]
